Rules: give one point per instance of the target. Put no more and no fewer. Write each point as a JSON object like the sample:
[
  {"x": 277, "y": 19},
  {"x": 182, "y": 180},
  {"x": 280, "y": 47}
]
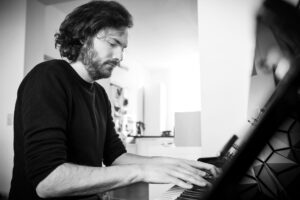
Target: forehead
[{"x": 120, "y": 34}]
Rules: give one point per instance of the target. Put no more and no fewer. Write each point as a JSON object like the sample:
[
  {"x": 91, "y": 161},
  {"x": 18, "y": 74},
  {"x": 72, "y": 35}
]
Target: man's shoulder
[
  {"x": 54, "y": 65},
  {"x": 47, "y": 72},
  {"x": 48, "y": 69}
]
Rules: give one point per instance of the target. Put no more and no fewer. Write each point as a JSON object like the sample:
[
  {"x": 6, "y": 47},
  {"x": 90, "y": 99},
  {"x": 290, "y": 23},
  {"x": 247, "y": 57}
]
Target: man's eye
[{"x": 112, "y": 44}]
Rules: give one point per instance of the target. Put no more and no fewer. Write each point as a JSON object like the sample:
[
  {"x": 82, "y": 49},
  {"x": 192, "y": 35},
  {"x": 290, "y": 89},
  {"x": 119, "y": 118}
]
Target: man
[{"x": 63, "y": 124}]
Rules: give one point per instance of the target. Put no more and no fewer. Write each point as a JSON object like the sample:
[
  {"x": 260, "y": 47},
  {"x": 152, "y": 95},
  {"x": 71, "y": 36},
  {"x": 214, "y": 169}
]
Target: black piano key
[
  {"x": 187, "y": 194},
  {"x": 192, "y": 191},
  {"x": 190, "y": 197},
  {"x": 185, "y": 198},
  {"x": 192, "y": 194},
  {"x": 200, "y": 189}
]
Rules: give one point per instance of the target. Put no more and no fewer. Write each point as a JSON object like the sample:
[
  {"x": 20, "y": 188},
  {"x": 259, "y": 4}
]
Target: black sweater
[{"x": 59, "y": 118}]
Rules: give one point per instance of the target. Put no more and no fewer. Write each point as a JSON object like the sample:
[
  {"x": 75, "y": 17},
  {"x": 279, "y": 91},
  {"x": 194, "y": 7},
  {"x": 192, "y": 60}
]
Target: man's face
[{"x": 101, "y": 54}]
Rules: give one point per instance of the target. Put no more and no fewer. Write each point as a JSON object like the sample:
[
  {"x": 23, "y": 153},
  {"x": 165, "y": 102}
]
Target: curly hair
[{"x": 85, "y": 22}]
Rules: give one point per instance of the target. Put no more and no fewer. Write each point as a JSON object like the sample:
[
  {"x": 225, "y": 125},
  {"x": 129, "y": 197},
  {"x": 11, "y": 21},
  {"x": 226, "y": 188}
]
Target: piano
[
  {"x": 266, "y": 165},
  {"x": 179, "y": 193},
  {"x": 196, "y": 192}
]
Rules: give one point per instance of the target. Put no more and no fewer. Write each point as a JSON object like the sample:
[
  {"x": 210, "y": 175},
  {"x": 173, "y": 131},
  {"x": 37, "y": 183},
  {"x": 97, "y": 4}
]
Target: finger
[
  {"x": 180, "y": 183},
  {"x": 218, "y": 171},
  {"x": 197, "y": 174},
  {"x": 196, "y": 180},
  {"x": 215, "y": 171},
  {"x": 203, "y": 166},
  {"x": 192, "y": 171},
  {"x": 199, "y": 164},
  {"x": 204, "y": 170}
]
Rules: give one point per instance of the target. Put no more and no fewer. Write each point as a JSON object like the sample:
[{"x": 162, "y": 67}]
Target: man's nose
[{"x": 118, "y": 54}]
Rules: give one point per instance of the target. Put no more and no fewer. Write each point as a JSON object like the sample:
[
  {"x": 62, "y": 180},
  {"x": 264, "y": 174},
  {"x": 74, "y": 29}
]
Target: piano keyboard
[
  {"x": 178, "y": 193},
  {"x": 172, "y": 193},
  {"x": 197, "y": 192}
]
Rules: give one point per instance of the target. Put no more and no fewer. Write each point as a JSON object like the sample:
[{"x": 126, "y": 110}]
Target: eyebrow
[{"x": 119, "y": 42}]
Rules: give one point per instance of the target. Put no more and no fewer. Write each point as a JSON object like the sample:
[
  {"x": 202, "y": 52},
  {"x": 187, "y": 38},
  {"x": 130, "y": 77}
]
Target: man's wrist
[{"x": 141, "y": 172}]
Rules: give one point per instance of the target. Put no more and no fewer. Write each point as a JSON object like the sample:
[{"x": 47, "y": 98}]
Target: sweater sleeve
[
  {"x": 44, "y": 115},
  {"x": 113, "y": 147}
]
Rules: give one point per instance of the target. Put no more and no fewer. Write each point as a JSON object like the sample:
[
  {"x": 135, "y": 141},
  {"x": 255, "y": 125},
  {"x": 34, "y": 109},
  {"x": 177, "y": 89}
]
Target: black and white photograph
[{"x": 150, "y": 99}]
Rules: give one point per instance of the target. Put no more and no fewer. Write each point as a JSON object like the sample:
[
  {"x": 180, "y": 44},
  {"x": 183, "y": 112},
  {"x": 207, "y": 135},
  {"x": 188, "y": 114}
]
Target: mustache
[{"x": 113, "y": 62}]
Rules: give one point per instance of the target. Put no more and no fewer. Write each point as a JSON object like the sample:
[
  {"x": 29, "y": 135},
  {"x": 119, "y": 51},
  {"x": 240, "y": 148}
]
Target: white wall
[
  {"x": 183, "y": 89},
  {"x": 34, "y": 36},
  {"x": 12, "y": 39},
  {"x": 226, "y": 32},
  {"x": 53, "y": 19}
]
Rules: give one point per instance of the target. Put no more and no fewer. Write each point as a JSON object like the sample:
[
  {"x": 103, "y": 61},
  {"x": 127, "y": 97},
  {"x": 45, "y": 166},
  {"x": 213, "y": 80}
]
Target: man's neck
[{"x": 81, "y": 71}]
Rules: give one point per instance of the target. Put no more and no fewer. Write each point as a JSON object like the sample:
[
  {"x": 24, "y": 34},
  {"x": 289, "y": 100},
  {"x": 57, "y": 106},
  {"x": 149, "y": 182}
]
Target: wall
[
  {"x": 35, "y": 27},
  {"x": 12, "y": 32},
  {"x": 185, "y": 90},
  {"x": 53, "y": 18},
  {"x": 182, "y": 87},
  {"x": 226, "y": 40}
]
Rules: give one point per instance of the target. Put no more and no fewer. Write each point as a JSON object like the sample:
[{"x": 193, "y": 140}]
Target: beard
[{"x": 96, "y": 68}]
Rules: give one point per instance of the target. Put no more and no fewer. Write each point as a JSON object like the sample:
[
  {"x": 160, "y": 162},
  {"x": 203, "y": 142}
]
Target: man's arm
[{"x": 73, "y": 180}]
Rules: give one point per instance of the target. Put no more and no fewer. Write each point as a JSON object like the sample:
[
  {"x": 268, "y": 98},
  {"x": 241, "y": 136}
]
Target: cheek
[
  {"x": 103, "y": 56},
  {"x": 103, "y": 51}
]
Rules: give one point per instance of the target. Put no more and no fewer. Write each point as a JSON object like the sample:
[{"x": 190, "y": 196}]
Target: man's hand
[{"x": 181, "y": 172}]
